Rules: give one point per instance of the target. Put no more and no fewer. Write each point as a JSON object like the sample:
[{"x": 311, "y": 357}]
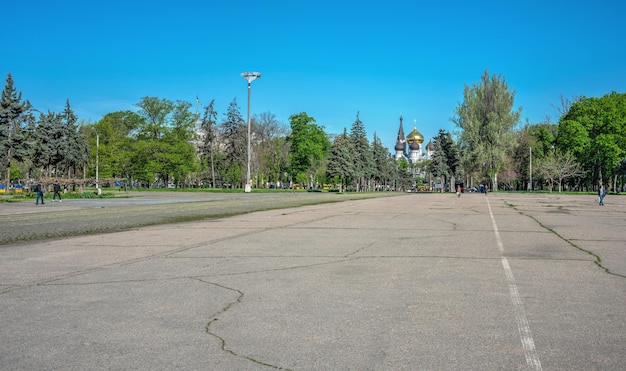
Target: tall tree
[
  {"x": 451, "y": 152},
  {"x": 268, "y": 147},
  {"x": 117, "y": 137},
  {"x": 594, "y": 130},
  {"x": 276, "y": 159},
  {"x": 47, "y": 141},
  {"x": 309, "y": 146},
  {"x": 181, "y": 154},
  {"x": 13, "y": 119},
  {"x": 183, "y": 121},
  {"x": 403, "y": 177},
  {"x": 166, "y": 133},
  {"x": 540, "y": 139},
  {"x": 59, "y": 144},
  {"x": 439, "y": 166},
  {"x": 75, "y": 150},
  {"x": 384, "y": 163},
  {"x": 208, "y": 138},
  {"x": 340, "y": 161},
  {"x": 155, "y": 112},
  {"x": 445, "y": 161},
  {"x": 620, "y": 173},
  {"x": 486, "y": 119},
  {"x": 521, "y": 155},
  {"x": 233, "y": 134},
  {"x": 362, "y": 155}
]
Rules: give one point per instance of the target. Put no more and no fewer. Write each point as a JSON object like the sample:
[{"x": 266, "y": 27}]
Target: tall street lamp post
[
  {"x": 530, "y": 169},
  {"x": 249, "y": 76},
  {"x": 97, "y": 163}
]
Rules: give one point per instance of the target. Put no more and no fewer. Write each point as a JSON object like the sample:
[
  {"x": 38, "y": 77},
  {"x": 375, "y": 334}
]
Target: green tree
[
  {"x": 13, "y": 121},
  {"x": 165, "y": 134},
  {"x": 309, "y": 147},
  {"x": 76, "y": 148},
  {"x": 234, "y": 141},
  {"x": 180, "y": 156},
  {"x": 57, "y": 136},
  {"x": 340, "y": 162},
  {"x": 234, "y": 174},
  {"x": 276, "y": 159},
  {"x": 269, "y": 148},
  {"x": 545, "y": 138},
  {"x": 180, "y": 160},
  {"x": 155, "y": 113},
  {"x": 117, "y": 137},
  {"x": 486, "y": 121},
  {"x": 540, "y": 138},
  {"x": 48, "y": 140},
  {"x": 384, "y": 163},
  {"x": 403, "y": 178},
  {"x": 620, "y": 172},
  {"x": 208, "y": 140},
  {"x": 445, "y": 162},
  {"x": 594, "y": 130},
  {"x": 362, "y": 155},
  {"x": 183, "y": 121},
  {"x": 439, "y": 166},
  {"x": 266, "y": 130}
]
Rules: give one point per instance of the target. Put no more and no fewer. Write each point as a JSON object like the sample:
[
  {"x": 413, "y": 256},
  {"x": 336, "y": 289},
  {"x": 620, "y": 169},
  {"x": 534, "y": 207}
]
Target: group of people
[{"x": 41, "y": 191}]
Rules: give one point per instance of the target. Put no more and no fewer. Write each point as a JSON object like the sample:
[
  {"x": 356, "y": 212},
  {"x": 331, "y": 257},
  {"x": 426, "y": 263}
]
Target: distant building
[{"x": 416, "y": 153}]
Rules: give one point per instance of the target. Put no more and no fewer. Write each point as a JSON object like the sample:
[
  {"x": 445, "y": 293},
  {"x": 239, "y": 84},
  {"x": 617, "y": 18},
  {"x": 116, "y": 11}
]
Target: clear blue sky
[{"x": 329, "y": 59}]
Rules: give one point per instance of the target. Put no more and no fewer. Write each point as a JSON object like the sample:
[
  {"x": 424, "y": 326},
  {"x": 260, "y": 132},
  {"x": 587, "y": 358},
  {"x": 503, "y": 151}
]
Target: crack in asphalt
[
  {"x": 215, "y": 317},
  {"x": 597, "y": 259}
]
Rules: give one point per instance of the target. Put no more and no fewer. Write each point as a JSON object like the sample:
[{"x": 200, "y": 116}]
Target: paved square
[{"x": 418, "y": 281}]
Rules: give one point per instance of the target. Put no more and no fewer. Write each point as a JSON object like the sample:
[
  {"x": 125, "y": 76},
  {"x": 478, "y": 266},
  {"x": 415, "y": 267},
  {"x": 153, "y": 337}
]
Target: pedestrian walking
[
  {"x": 57, "y": 191},
  {"x": 40, "y": 192},
  {"x": 601, "y": 194}
]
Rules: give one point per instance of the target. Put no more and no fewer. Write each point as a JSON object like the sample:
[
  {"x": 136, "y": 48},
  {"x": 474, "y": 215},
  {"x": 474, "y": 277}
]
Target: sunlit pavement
[{"x": 422, "y": 281}]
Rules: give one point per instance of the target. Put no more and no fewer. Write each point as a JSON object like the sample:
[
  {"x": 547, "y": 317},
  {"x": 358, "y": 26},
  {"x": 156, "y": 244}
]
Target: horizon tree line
[{"x": 164, "y": 142}]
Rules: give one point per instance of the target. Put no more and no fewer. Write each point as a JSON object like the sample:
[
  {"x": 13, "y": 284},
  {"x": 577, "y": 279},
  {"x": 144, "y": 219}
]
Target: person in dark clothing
[
  {"x": 601, "y": 194},
  {"x": 57, "y": 190},
  {"x": 40, "y": 192}
]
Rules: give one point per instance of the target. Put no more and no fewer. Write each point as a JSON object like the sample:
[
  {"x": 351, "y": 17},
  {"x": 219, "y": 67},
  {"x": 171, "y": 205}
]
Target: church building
[{"x": 416, "y": 153}]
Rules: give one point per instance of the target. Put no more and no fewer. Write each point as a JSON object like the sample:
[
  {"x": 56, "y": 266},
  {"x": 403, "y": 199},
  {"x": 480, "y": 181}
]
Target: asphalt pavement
[{"x": 414, "y": 282}]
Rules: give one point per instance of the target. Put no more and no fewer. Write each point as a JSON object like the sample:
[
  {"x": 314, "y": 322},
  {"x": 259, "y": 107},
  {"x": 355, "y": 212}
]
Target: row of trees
[
  {"x": 52, "y": 144},
  {"x": 164, "y": 142},
  {"x": 586, "y": 148}
]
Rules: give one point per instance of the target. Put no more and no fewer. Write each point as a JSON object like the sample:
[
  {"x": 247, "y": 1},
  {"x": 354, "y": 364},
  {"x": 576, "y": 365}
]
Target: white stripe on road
[{"x": 532, "y": 359}]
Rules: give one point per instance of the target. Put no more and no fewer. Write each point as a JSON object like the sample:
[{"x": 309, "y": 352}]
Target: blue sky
[{"x": 329, "y": 59}]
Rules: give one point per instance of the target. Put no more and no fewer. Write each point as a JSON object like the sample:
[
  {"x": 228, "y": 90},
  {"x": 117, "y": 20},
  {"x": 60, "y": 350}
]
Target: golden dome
[{"x": 415, "y": 136}]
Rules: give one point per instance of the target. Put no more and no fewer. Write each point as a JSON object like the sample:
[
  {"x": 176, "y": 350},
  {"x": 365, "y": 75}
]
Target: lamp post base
[{"x": 248, "y": 188}]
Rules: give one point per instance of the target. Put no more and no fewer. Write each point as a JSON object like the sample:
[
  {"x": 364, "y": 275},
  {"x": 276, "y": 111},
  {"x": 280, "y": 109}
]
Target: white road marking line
[{"x": 532, "y": 358}]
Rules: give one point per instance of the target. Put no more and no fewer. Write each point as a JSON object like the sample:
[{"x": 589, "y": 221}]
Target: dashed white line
[{"x": 532, "y": 359}]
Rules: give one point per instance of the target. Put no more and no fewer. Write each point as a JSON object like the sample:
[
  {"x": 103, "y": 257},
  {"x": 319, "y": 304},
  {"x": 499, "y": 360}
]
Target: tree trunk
[{"x": 495, "y": 182}]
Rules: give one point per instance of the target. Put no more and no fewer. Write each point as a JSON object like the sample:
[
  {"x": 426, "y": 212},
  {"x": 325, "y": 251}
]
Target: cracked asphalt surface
[{"x": 417, "y": 281}]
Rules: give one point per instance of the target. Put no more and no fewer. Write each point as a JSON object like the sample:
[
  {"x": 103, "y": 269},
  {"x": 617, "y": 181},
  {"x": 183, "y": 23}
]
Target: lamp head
[{"x": 251, "y": 76}]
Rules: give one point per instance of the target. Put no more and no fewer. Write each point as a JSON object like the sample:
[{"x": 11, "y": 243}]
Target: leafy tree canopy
[
  {"x": 594, "y": 130},
  {"x": 309, "y": 143},
  {"x": 486, "y": 119}
]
